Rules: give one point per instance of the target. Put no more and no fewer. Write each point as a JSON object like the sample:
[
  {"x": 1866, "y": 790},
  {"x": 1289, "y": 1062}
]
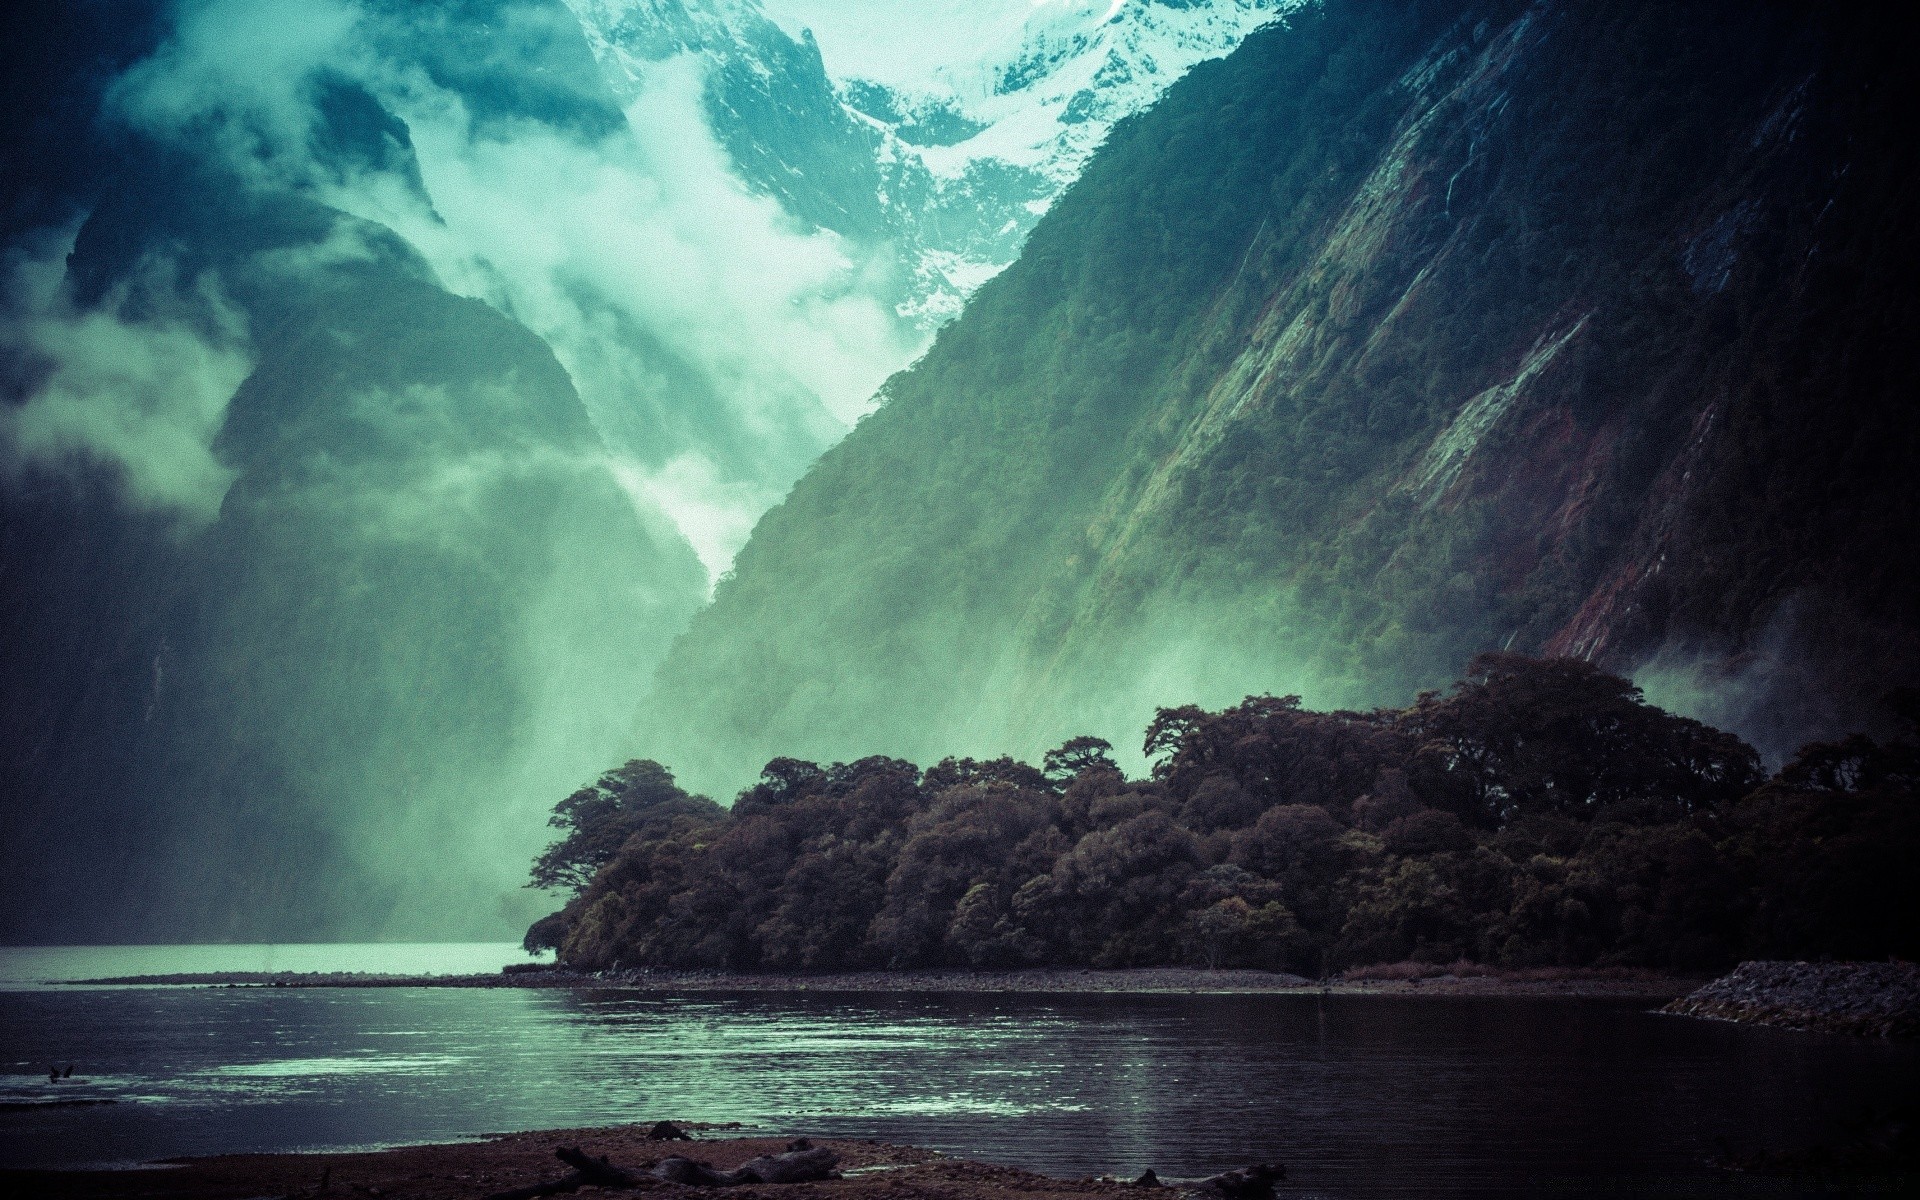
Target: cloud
[
  {"x": 718, "y": 346},
  {"x": 147, "y": 394},
  {"x": 234, "y": 77}
]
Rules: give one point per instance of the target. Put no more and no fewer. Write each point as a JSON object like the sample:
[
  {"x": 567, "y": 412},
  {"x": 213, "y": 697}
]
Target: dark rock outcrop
[
  {"x": 1866, "y": 999},
  {"x": 1247, "y": 1183}
]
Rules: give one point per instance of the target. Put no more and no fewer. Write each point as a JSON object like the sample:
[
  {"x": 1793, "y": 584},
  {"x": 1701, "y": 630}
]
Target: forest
[{"x": 1540, "y": 812}]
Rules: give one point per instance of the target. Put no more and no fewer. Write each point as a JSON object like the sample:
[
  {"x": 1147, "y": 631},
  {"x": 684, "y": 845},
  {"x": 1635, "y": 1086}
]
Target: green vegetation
[{"x": 1539, "y": 813}]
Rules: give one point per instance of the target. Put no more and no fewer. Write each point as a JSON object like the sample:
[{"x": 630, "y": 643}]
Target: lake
[{"x": 1358, "y": 1095}]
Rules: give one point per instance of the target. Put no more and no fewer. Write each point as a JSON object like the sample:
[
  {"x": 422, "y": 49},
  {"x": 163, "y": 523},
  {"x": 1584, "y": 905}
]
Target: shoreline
[
  {"x": 522, "y": 1165},
  {"x": 1043, "y": 981},
  {"x": 492, "y": 1164},
  {"x": 1874, "y": 1000}
]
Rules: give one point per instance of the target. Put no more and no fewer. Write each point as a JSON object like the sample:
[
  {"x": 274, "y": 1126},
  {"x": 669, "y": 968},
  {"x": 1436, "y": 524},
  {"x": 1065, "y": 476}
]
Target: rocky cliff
[{"x": 1404, "y": 332}]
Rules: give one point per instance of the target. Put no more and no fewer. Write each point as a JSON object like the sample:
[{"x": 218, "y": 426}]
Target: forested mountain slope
[{"x": 1404, "y": 332}]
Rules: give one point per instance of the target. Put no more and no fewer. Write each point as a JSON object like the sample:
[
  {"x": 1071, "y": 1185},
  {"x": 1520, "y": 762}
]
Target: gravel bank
[
  {"x": 489, "y": 1166},
  {"x": 1146, "y": 981},
  {"x": 1866, "y": 999}
]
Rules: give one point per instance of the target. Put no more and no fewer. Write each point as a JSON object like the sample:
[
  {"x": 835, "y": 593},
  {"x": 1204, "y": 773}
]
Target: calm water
[{"x": 1360, "y": 1095}]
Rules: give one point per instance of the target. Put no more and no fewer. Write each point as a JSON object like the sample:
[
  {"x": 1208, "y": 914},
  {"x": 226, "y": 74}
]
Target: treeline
[{"x": 1537, "y": 813}]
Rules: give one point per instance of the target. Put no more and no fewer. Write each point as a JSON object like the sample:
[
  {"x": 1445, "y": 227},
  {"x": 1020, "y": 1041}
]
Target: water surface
[
  {"x": 1358, "y": 1095},
  {"x": 22, "y": 966}
]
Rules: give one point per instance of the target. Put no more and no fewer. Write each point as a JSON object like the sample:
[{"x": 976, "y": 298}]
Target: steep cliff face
[{"x": 1561, "y": 327}]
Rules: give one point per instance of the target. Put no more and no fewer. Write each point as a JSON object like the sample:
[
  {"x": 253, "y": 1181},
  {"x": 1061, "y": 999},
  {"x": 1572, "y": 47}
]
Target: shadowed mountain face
[{"x": 1567, "y": 328}]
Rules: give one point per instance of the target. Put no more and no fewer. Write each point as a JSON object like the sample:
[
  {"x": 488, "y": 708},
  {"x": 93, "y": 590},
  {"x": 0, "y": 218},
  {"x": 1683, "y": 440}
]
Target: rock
[
  {"x": 1248, "y": 1183},
  {"x": 1865, "y": 999},
  {"x": 795, "y": 1166}
]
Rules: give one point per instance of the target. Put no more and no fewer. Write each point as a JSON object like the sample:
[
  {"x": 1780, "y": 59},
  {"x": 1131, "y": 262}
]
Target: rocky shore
[
  {"x": 1865, "y": 999},
  {"x": 522, "y": 1165},
  {"x": 1145, "y": 981}
]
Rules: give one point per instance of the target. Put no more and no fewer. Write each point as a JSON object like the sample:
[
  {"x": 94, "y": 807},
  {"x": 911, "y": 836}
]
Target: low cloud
[
  {"x": 234, "y": 79},
  {"x": 146, "y": 394},
  {"x": 718, "y": 346}
]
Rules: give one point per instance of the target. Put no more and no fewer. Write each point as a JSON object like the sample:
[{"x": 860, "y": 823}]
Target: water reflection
[
  {"x": 1359, "y": 1095},
  {"x": 29, "y": 966}
]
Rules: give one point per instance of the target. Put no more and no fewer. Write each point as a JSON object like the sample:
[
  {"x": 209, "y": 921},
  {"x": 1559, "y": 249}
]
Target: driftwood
[
  {"x": 586, "y": 1170},
  {"x": 795, "y": 1166},
  {"x": 803, "y": 1163},
  {"x": 686, "y": 1171},
  {"x": 1248, "y": 1183}
]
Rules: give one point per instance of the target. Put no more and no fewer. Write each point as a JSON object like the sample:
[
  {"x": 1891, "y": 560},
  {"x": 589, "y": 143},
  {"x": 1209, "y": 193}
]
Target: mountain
[
  {"x": 319, "y": 577},
  {"x": 381, "y": 388},
  {"x": 946, "y": 157},
  {"x": 1401, "y": 333}
]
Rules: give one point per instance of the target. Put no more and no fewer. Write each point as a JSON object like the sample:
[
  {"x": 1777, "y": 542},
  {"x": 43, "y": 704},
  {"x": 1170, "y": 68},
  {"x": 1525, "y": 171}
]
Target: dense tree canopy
[
  {"x": 1538, "y": 813},
  {"x": 637, "y": 797}
]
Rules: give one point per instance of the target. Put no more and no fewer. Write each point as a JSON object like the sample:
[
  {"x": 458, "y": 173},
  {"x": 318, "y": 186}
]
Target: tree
[
  {"x": 600, "y": 817},
  {"x": 1524, "y": 735},
  {"x": 1274, "y": 750},
  {"x": 1077, "y": 755},
  {"x": 1564, "y": 821}
]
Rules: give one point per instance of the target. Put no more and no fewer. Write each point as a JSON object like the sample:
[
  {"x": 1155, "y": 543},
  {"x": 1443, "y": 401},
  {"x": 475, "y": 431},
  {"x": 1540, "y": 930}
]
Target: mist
[
  {"x": 442, "y": 385},
  {"x": 718, "y": 346},
  {"x": 144, "y": 394}
]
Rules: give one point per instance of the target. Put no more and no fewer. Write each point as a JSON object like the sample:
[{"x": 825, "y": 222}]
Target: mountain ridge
[
  {"x": 954, "y": 169},
  {"x": 1452, "y": 371}
]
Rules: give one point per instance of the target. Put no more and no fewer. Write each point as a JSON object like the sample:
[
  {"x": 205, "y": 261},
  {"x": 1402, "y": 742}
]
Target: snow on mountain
[
  {"x": 939, "y": 129},
  {"x": 998, "y": 104},
  {"x": 628, "y": 36},
  {"x": 1044, "y": 81}
]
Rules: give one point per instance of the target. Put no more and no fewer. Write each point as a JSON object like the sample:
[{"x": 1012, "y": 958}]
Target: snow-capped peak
[
  {"x": 1043, "y": 79},
  {"x": 968, "y": 117}
]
